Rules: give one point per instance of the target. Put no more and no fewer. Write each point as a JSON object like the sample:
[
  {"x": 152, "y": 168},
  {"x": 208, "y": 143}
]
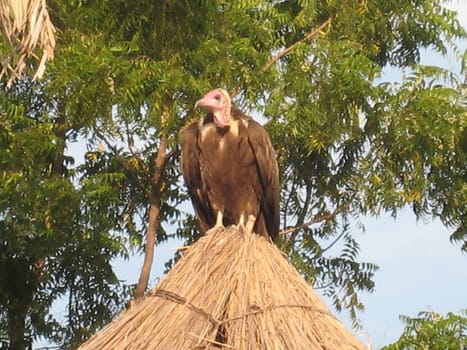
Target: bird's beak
[
  {"x": 204, "y": 102},
  {"x": 199, "y": 103}
]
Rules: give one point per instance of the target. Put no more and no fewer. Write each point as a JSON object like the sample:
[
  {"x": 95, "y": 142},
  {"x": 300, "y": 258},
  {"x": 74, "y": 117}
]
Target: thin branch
[
  {"x": 122, "y": 162},
  {"x": 173, "y": 153},
  {"x": 301, "y": 219},
  {"x": 337, "y": 239},
  {"x": 307, "y": 37},
  {"x": 324, "y": 286},
  {"x": 318, "y": 218},
  {"x": 315, "y": 220}
]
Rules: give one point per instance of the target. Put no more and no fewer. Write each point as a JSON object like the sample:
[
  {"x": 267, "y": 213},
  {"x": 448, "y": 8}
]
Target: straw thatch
[
  {"x": 228, "y": 291},
  {"x": 26, "y": 26}
]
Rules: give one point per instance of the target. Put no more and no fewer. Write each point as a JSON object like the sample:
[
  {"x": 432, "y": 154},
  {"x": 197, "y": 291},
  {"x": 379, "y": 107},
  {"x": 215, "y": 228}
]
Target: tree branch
[
  {"x": 154, "y": 213},
  {"x": 337, "y": 239},
  {"x": 307, "y": 37},
  {"x": 316, "y": 219},
  {"x": 302, "y": 216}
]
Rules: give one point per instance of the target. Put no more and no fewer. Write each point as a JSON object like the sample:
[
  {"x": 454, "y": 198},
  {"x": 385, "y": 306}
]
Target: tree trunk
[
  {"x": 153, "y": 224},
  {"x": 22, "y": 284},
  {"x": 17, "y": 327}
]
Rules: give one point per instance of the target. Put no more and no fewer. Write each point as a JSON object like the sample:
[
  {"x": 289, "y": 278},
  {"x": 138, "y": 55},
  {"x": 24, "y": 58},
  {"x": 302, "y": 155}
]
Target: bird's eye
[{"x": 217, "y": 97}]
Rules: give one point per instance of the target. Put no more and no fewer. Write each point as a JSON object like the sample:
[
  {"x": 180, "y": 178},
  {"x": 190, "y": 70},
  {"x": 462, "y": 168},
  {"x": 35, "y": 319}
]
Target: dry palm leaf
[{"x": 26, "y": 27}]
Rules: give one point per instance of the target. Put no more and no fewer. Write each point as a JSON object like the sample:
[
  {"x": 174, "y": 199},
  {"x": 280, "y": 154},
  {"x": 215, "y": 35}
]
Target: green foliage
[
  {"x": 126, "y": 75},
  {"x": 53, "y": 247},
  {"x": 432, "y": 331}
]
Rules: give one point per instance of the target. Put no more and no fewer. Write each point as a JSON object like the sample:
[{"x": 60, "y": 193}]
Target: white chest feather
[{"x": 218, "y": 137}]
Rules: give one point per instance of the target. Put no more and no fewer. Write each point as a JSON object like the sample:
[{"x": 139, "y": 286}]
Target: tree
[
  {"x": 54, "y": 243},
  {"x": 123, "y": 82},
  {"x": 433, "y": 331}
]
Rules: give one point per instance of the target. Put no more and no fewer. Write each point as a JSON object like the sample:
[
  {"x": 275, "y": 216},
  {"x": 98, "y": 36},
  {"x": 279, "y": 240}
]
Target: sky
[{"x": 419, "y": 268}]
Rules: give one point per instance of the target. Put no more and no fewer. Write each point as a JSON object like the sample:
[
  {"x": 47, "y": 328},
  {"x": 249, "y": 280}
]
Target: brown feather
[
  {"x": 232, "y": 170},
  {"x": 190, "y": 166}
]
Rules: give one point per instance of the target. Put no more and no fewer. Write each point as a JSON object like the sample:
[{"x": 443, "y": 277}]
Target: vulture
[{"x": 230, "y": 169}]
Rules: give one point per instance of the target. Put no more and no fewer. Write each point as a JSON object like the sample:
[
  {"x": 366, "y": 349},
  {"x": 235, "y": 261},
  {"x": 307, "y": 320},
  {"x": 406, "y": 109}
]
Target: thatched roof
[{"x": 228, "y": 291}]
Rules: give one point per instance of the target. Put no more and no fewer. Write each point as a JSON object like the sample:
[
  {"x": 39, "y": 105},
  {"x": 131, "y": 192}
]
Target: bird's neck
[{"x": 222, "y": 118}]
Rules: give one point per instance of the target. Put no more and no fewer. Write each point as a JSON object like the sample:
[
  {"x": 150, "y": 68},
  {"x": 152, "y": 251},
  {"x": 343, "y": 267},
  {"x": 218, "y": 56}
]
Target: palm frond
[{"x": 26, "y": 28}]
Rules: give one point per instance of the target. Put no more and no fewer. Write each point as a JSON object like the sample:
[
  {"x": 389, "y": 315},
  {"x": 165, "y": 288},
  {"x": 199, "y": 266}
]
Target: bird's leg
[
  {"x": 219, "y": 220},
  {"x": 241, "y": 225},
  {"x": 250, "y": 224},
  {"x": 219, "y": 223},
  {"x": 248, "y": 227}
]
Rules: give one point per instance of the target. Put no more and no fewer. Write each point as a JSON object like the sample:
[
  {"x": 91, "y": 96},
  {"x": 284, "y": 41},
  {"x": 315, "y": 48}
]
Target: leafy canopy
[{"x": 433, "y": 331}]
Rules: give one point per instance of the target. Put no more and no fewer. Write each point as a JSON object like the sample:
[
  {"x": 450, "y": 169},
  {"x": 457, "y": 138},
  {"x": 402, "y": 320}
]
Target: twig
[
  {"x": 316, "y": 219},
  {"x": 307, "y": 37},
  {"x": 337, "y": 239}
]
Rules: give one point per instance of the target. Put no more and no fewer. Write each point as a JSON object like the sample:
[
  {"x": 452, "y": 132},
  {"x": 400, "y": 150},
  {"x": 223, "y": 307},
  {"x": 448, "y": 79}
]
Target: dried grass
[
  {"x": 26, "y": 26},
  {"x": 228, "y": 291}
]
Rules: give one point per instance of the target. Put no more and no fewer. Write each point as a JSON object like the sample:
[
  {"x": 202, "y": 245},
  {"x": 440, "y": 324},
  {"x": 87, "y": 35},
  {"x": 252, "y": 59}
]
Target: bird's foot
[
  {"x": 219, "y": 227},
  {"x": 215, "y": 228},
  {"x": 219, "y": 222},
  {"x": 250, "y": 223},
  {"x": 247, "y": 228}
]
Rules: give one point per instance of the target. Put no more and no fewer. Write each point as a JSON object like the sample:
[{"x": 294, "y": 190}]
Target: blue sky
[{"x": 420, "y": 270}]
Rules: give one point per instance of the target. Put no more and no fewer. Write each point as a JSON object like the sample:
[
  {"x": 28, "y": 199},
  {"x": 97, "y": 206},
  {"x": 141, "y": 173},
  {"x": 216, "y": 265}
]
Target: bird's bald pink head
[{"x": 218, "y": 103}]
